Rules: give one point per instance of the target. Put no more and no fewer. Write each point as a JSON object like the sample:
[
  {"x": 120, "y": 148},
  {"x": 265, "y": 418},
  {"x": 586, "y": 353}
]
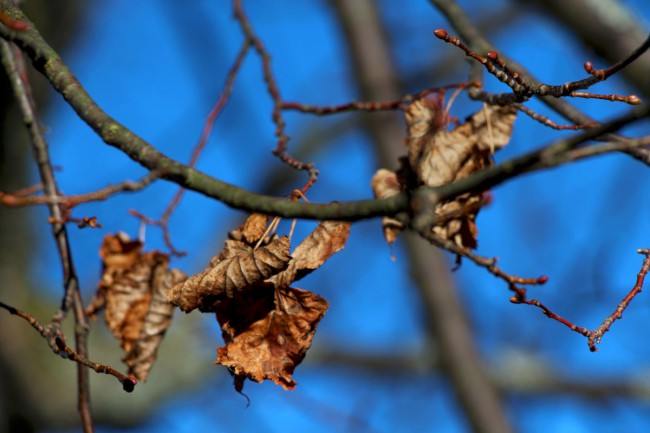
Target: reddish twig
[
  {"x": 55, "y": 340},
  {"x": 22, "y": 198},
  {"x": 551, "y": 315},
  {"x": 211, "y": 119},
  {"x": 597, "y": 334},
  {"x": 274, "y": 92},
  {"x": 82, "y": 222},
  {"x": 524, "y": 89},
  {"x": 515, "y": 284},
  {"x": 164, "y": 226},
  {"x": 630, "y": 99},
  {"x": 370, "y": 106},
  {"x": 548, "y": 122},
  {"x": 485, "y": 262}
]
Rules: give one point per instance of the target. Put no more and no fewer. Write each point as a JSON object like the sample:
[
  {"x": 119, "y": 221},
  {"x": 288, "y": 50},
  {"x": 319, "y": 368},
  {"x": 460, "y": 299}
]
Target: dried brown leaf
[
  {"x": 235, "y": 269},
  {"x": 251, "y": 230},
  {"x": 438, "y": 156},
  {"x": 385, "y": 184},
  {"x": 269, "y": 342},
  {"x": 132, "y": 291},
  {"x": 144, "y": 350},
  {"x": 328, "y": 238}
]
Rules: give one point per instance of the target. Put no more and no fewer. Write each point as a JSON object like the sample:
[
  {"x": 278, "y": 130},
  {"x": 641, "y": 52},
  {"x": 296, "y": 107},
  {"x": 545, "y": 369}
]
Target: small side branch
[
  {"x": 524, "y": 89},
  {"x": 24, "y": 198},
  {"x": 518, "y": 285},
  {"x": 370, "y": 106},
  {"x": 211, "y": 119},
  {"x": 274, "y": 92},
  {"x": 596, "y": 335},
  {"x": 58, "y": 345}
]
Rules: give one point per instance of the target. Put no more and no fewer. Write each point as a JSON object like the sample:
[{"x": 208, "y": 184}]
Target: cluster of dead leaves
[
  {"x": 267, "y": 325},
  {"x": 437, "y": 156},
  {"x": 133, "y": 292}
]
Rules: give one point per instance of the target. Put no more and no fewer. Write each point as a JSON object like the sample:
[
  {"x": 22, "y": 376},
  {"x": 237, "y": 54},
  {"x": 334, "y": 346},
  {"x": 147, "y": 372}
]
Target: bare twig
[
  {"x": 607, "y": 28},
  {"x": 52, "y": 334},
  {"x": 371, "y": 105},
  {"x": 593, "y": 336},
  {"x": 596, "y": 335},
  {"x": 274, "y": 91},
  {"x": 470, "y": 34},
  {"x": 22, "y": 198},
  {"x": 548, "y": 122},
  {"x": 516, "y": 284},
  {"x": 524, "y": 89},
  {"x": 211, "y": 119}
]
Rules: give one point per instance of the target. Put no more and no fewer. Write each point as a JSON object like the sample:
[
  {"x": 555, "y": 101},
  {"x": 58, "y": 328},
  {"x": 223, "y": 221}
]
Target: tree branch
[
  {"x": 470, "y": 35},
  {"x": 14, "y": 66},
  {"x": 113, "y": 133},
  {"x": 48, "y": 62}
]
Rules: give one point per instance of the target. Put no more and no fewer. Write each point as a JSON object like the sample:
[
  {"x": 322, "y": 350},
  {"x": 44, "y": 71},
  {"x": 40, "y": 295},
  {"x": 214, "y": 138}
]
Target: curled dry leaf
[
  {"x": 328, "y": 238},
  {"x": 267, "y": 326},
  {"x": 437, "y": 156},
  {"x": 251, "y": 230},
  {"x": 235, "y": 269},
  {"x": 143, "y": 353},
  {"x": 385, "y": 184},
  {"x": 132, "y": 291}
]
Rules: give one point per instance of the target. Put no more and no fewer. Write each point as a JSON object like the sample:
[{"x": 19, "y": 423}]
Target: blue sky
[{"x": 158, "y": 68}]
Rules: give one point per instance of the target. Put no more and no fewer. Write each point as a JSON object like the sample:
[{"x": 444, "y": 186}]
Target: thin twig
[
  {"x": 516, "y": 284},
  {"x": 211, "y": 119},
  {"x": 22, "y": 198},
  {"x": 274, "y": 92},
  {"x": 471, "y": 34},
  {"x": 52, "y": 334},
  {"x": 14, "y": 65},
  {"x": 524, "y": 89},
  {"x": 597, "y": 334},
  {"x": 548, "y": 122},
  {"x": 370, "y": 105}
]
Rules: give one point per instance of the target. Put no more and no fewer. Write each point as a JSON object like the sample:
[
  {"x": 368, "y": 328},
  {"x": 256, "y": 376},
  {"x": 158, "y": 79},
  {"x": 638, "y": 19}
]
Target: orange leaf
[{"x": 271, "y": 343}]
